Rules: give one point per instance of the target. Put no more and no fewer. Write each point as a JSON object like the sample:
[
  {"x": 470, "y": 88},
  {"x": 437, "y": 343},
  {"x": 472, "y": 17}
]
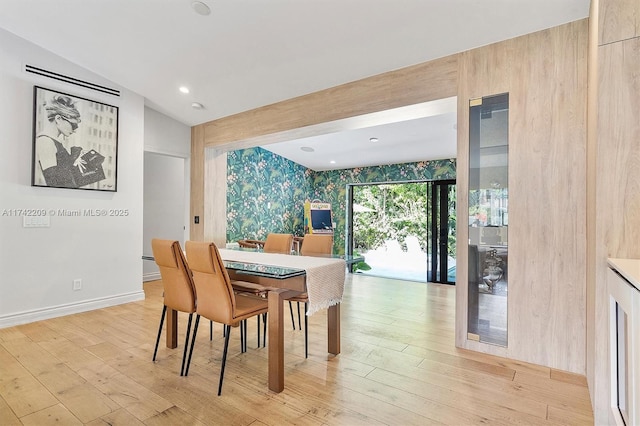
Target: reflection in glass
[
  {"x": 488, "y": 218},
  {"x": 259, "y": 269}
]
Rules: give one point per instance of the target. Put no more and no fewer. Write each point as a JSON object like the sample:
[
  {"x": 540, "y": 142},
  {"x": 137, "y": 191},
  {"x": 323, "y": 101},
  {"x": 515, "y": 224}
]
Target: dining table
[{"x": 322, "y": 278}]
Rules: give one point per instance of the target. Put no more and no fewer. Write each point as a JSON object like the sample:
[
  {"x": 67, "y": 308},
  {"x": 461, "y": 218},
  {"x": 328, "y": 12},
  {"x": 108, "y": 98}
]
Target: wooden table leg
[
  {"x": 172, "y": 328},
  {"x": 276, "y": 300},
  {"x": 276, "y": 342},
  {"x": 333, "y": 329}
]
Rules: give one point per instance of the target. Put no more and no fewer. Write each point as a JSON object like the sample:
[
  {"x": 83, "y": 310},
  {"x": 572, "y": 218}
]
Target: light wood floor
[{"x": 398, "y": 366}]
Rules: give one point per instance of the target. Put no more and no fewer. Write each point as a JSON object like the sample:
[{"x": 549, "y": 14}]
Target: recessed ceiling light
[
  {"x": 307, "y": 149},
  {"x": 184, "y": 89},
  {"x": 197, "y": 105},
  {"x": 200, "y": 8},
  {"x": 373, "y": 139},
  {"x": 332, "y": 161}
]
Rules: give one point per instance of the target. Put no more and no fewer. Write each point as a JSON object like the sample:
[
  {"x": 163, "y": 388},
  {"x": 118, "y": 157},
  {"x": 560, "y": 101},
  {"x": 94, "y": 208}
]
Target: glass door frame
[
  {"x": 439, "y": 234},
  {"x": 439, "y": 187}
]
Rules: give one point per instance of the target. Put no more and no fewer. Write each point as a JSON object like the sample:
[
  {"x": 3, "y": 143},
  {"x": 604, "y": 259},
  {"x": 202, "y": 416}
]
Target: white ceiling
[
  {"x": 251, "y": 53},
  {"x": 420, "y": 132}
]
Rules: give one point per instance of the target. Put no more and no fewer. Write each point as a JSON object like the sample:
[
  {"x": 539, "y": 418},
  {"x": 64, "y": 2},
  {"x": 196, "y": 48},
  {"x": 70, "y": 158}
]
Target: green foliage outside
[{"x": 393, "y": 212}]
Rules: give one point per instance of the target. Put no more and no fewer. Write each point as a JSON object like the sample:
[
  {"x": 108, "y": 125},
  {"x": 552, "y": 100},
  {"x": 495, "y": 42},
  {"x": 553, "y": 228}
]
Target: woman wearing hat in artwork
[{"x": 55, "y": 161}]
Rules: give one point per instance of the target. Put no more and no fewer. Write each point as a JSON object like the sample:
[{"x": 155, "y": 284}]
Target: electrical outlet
[{"x": 77, "y": 284}]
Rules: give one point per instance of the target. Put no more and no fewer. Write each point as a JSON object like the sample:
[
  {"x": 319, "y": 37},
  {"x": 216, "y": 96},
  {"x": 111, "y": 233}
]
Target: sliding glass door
[{"x": 405, "y": 230}]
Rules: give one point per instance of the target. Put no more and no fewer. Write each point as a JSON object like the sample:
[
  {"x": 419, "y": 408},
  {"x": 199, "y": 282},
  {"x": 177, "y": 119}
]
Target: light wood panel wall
[
  {"x": 215, "y": 209},
  {"x": 412, "y": 85},
  {"x": 617, "y": 207},
  {"x": 592, "y": 147},
  {"x": 546, "y": 77},
  {"x": 545, "y": 74},
  {"x": 196, "y": 230},
  {"x": 549, "y": 198},
  {"x": 617, "y": 20}
]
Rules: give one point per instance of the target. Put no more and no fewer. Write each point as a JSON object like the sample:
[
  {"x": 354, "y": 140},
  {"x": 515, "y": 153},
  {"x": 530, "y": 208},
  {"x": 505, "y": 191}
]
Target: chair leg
[
  {"x": 186, "y": 344},
  {"x": 224, "y": 356},
  {"x": 306, "y": 332},
  {"x": 164, "y": 312},
  {"x": 264, "y": 330},
  {"x": 210, "y": 330},
  {"x": 258, "y": 324},
  {"x": 193, "y": 342},
  {"x": 241, "y": 337},
  {"x": 246, "y": 335},
  {"x": 299, "y": 325},
  {"x": 293, "y": 323}
]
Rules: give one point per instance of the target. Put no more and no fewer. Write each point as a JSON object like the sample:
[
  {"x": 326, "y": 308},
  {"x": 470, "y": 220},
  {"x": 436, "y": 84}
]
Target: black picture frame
[{"x": 75, "y": 142}]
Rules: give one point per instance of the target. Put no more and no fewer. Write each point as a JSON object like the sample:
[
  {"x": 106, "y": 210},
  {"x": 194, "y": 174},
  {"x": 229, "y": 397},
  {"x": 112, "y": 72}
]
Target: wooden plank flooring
[{"x": 398, "y": 366}]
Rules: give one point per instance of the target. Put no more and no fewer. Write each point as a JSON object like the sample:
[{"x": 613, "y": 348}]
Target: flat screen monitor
[{"x": 321, "y": 219}]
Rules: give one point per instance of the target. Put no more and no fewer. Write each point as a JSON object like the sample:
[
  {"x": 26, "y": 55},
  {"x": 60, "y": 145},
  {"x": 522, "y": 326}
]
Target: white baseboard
[
  {"x": 150, "y": 276},
  {"x": 68, "y": 309}
]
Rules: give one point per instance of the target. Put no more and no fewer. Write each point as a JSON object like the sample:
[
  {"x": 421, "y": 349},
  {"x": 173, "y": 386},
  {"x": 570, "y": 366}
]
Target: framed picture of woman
[{"x": 75, "y": 142}]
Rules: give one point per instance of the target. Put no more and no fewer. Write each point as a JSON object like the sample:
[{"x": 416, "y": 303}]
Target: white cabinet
[{"x": 624, "y": 341}]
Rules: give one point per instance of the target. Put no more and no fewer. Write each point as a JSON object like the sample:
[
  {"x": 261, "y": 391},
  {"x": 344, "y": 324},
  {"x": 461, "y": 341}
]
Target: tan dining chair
[
  {"x": 274, "y": 243},
  {"x": 316, "y": 245},
  {"x": 216, "y": 299},
  {"x": 255, "y": 244},
  {"x": 179, "y": 291},
  {"x": 297, "y": 243},
  {"x": 278, "y": 243},
  {"x": 312, "y": 245}
]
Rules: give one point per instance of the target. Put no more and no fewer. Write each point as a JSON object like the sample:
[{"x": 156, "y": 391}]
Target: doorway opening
[{"x": 404, "y": 230}]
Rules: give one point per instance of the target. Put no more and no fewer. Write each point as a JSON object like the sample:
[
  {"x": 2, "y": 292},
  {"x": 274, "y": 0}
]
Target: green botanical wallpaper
[
  {"x": 265, "y": 193},
  {"x": 257, "y": 177},
  {"x": 331, "y": 186}
]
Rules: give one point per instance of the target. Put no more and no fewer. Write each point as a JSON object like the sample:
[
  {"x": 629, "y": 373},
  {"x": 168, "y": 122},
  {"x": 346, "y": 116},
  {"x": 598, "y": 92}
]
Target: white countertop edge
[{"x": 628, "y": 268}]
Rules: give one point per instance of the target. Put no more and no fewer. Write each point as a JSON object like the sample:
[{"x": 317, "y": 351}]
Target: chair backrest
[
  {"x": 179, "y": 291},
  {"x": 315, "y": 244},
  {"x": 216, "y": 300},
  {"x": 278, "y": 243},
  {"x": 250, "y": 243}
]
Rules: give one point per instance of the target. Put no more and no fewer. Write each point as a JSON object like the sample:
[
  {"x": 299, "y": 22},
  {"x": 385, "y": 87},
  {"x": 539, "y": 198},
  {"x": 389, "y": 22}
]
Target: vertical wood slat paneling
[
  {"x": 215, "y": 207},
  {"x": 592, "y": 145},
  {"x": 462, "y": 202},
  {"x": 617, "y": 188},
  {"x": 196, "y": 230},
  {"x": 548, "y": 219},
  {"x": 545, "y": 75},
  {"x": 618, "y": 20}
]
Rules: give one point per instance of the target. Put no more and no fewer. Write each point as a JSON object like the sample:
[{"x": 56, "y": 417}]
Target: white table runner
[{"x": 324, "y": 276}]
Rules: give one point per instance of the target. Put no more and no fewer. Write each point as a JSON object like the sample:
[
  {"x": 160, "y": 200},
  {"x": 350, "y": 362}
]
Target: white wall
[
  {"x": 164, "y": 135},
  {"x": 39, "y": 264},
  {"x": 167, "y": 145},
  {"x": 164, "y": 205}
]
